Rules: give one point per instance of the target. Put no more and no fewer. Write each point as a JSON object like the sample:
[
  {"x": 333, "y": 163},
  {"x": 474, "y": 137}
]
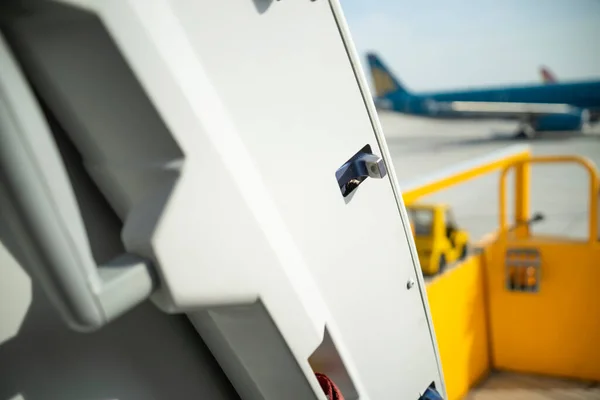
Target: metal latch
[
  {"x": 362, "y": 165},
  {"x": 523, "y": 270}
]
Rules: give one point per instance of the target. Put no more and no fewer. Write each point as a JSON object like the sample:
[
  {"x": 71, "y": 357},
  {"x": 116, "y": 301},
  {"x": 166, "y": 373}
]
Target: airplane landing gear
[{"x": 526, "y": 131}]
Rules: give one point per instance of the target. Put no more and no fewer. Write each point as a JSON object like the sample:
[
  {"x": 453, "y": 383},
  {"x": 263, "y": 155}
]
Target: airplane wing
[{"x": 510, "y": 110}]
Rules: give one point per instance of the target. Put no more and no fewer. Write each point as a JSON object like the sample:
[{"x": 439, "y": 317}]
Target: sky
[{"x": 446, "y": 44}]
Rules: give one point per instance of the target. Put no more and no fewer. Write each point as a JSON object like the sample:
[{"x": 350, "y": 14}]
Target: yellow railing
[
  {"x": 555, "y": 330},
  {"x": 522, "y": 191},
  {"x": 480, "y": 325},
  {"x": 461, "y": 173}
]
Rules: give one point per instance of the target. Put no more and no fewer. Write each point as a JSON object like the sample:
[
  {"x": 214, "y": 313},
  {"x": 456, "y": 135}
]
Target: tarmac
[{"x": 422, "y": 146}]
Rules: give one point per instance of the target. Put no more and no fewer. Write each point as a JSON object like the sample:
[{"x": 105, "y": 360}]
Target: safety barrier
[
  {"x": 554, "y": 329},
  {"x": 463, "y": 172},
  {"x": 458, "y": 297},
  {"x": 522, "y": 190},
  {"x": 551, "y": 325},
  {"x": 459, "y": 313}
]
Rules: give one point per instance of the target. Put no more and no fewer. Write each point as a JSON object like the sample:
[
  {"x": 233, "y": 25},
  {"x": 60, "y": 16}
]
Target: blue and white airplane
[{"x": 557, "y": 107}]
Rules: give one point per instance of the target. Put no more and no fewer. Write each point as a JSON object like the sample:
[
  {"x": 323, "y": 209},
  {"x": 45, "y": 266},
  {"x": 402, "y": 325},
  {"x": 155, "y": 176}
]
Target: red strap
[{"x": 331, "y": 390}]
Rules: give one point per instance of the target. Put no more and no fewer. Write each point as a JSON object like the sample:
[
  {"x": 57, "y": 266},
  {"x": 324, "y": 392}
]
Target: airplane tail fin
[
  {"x": 547, "y": 76},
  {"x": 383, "y": 80}
]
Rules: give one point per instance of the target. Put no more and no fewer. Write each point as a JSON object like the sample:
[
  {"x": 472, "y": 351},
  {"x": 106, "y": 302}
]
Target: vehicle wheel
[
  {"x": 442, "y": 264},
  {"x": 464, "y": 252}
]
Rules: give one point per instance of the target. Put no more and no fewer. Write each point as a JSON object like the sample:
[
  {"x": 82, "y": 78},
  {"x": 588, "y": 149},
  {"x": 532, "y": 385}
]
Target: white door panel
[{"x": 288, "y": 84}]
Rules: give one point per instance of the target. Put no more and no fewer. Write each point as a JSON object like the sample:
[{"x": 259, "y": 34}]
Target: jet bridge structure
[{"x": 216, "y": 172}]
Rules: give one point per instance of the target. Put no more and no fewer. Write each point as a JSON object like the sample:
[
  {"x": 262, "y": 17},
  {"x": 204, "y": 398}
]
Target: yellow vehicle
[{"x": 438, "y": 238}]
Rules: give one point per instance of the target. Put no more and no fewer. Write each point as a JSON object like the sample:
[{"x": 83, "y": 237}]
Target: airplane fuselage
[
  {"x": 555, "y": 107},
  {"x": 584, "y": 95},
  {"x": 578, "y": 94}
]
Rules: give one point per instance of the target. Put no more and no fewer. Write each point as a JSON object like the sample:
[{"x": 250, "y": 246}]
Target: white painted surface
[
  {"x": 263, "y": 103},
  {"x": 266, "y": 108}
]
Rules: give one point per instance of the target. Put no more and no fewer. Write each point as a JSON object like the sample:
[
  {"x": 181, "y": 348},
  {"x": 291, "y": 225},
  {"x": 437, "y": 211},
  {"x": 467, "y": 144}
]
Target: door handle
[{"x": 359, "y": 167}]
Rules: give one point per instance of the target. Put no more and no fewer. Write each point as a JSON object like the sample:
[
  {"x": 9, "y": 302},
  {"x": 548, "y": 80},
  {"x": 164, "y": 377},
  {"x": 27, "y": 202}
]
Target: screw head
[{"x": 410, "y": 284}]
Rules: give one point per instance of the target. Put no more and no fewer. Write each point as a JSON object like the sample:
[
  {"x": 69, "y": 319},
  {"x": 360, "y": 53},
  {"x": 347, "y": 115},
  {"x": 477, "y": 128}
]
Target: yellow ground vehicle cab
[{"x": 438, "y": 238}]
